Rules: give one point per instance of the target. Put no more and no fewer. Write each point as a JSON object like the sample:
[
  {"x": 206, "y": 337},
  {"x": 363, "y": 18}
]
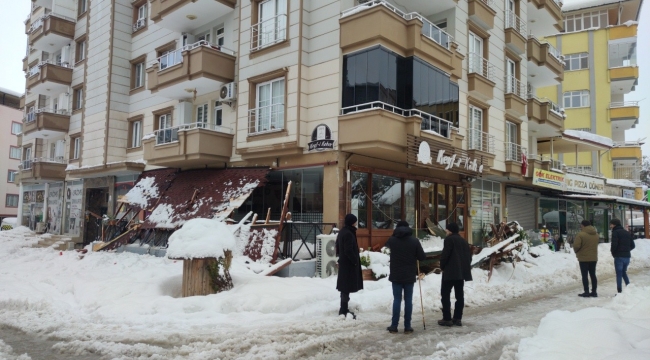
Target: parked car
[{"x": 8, "y": 223}]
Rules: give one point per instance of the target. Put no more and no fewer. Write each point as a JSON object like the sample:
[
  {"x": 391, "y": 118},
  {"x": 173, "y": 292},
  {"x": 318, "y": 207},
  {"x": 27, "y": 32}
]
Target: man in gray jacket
[{"x": 586, "y": 249}]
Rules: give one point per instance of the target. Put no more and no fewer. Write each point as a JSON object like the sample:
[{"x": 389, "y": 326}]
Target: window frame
[
  {"x": 82, "y": 7},
  {"x": 569, "y": 95},
  {"x": 270, "y": 84},
  {"x": 256, "y": 44},
  {"x": 11, "y": 176},
  {"x": 77, "y": 99},
  {"x": 13, "y": 196},
  {"x": 576, "y": 56},
  {"x": 593, "y": 16},
  {"x": 75, "y": 148},
  {"x": 136, "y": 134},
  {"x": 14, "y": 149},
  {"x": 220, "y": 37},
  {"x": 205, "y": 118},
  {"x": 217, "y": 109},
  {"x": 14, "y": 124},
  {"x": 81, "y": 49}
]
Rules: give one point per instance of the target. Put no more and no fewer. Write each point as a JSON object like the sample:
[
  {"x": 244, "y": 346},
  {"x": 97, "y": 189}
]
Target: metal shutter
[{"x": 522, "y": 209}]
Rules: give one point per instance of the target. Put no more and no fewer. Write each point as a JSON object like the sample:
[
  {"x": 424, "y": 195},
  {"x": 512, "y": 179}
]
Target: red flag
[{"x": 524, "y": 164}]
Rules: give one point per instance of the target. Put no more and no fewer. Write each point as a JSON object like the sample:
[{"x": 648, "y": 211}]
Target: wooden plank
[{"x": 277, "y": 267}]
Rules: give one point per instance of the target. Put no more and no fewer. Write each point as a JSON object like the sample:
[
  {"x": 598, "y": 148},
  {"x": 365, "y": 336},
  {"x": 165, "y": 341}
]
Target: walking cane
[{"x": 421, "y": 302}]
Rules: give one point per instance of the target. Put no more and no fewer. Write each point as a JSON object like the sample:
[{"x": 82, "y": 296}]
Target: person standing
[
  {"x": 622, "y": 244},
  {"x": 405, "y": 251},
  {"x": 586, "y": 249},
  {"x": 349, "y": 278},
  {"x": 455, "y": 263}
]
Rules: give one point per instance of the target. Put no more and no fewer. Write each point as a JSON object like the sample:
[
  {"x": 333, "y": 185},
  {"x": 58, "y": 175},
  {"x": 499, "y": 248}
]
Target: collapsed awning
[{"x": 610, "y": 198}]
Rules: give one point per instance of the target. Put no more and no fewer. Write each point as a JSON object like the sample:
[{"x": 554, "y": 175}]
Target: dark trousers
[
  {"x": 407, "y": 289},
  {"x": 589, "y": 267},
  {"x": 445, "y": 292},
  {"x": 345, "y": 298}
]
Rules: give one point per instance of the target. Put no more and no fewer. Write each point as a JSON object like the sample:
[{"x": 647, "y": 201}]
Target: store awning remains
[{"x": 611, "y": 198}]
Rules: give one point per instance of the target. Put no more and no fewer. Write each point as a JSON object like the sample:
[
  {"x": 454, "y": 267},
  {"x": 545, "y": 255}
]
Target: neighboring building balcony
[
  {"x": 189, "y": 145},
  {"x": 40, "y": 169},
  {"x": 482, "y": 12},
  {"x": 624, "y": 115},
  {"x": 480, "y": 77},
  {"x": 379, "y": 129},
  {"x": 45, "y": 123},
  {"x": 584, "y": 170},
  {"x": 25, "y": 64},
  {"x": 379, "y": 22},
  {"x": 543, "y": 162},
  {"x": 47, "y": 78},
  {"x": 627, "y": 150},
  {"x": 480, "y": 144},
  {"x": 43, "y": 3},
  {"x": 623, "y": 32},
  {"x": 514, "y": 159},
  {"x": 515, "y": 96},
  {"x": 545, "y": 17},
  {"x": 51, "y": 32},
  {"x": 197, "y": 68},
  {"x": 515, "y": 33},
  {"x": 187, "y": 15},
  {"x": 545, "y": 112},
  {"x": 545, "y": 63},
  {"x": 632, "y": 173},
  {"x": 623, "y": 68}
]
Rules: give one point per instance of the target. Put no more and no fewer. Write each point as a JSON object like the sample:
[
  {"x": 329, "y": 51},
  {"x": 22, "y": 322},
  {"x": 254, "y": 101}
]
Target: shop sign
[
  {"x": 628, "y": 194},
  {"x": 321, "y": 139},
  {"x": 585, "y": 184},
  {"x": 423, "y": 153},
  {"x": 612, "y": 190},
  {"x": 548, "y": 179}
]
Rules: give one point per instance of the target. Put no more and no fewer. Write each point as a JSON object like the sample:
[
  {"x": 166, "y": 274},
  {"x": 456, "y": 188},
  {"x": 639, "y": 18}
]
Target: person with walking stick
[
  {"x": 455, "y": 263},
  {"x": 405, "y": 252}
]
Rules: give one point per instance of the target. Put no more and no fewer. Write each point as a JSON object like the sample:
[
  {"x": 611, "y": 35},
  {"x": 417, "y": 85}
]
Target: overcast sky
[{"x": 13, "y": 47}]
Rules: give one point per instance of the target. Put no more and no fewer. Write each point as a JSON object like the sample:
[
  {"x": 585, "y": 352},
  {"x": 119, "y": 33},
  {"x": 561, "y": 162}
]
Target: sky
[{"x": 13, "y": 47}]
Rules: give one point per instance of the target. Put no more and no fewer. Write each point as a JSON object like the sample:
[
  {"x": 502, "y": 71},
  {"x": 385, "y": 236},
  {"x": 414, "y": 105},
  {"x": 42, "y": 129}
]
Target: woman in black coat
[{"x": 349, "y": 278}]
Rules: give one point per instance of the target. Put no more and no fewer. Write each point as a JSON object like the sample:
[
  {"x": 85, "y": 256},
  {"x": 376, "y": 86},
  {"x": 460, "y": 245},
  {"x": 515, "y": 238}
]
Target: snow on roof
[
  {"x": 617, "y": 199},
  {"x": 10, "y": 92},
  {"x": 621, "y": 182},
  {"x": 142, "y": 192},
  {"x": 201, "y": 238},
  {"x": 571, "y": 5},
  {"x": 585, "y": 135}
]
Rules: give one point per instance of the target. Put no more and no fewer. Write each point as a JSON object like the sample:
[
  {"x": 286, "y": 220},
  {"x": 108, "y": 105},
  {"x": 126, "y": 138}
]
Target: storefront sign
[
  {"x": 584, "y": 184},
  {"x": 548, "y": 179},
  {"x": 74, "y": 195},
  {"x": 628, "y": 193},
  {"x": 321, "y": 139},
  {"x": 440, "y": 156},
  {"x": 452, "y": 161}
]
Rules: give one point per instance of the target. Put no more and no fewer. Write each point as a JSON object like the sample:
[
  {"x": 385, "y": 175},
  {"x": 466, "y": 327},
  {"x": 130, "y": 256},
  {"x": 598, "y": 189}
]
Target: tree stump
[{"x": 197, "y": 280}]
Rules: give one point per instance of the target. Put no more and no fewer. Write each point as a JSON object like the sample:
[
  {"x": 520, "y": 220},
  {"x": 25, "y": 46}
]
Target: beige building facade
[{"x": 11, "y": 122}]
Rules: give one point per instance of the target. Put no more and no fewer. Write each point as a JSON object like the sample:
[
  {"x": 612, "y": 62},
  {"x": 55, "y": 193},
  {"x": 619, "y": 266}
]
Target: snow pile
[
  {"x": 570, "y": 5},
  {"x": 621, "y": 182},
  {"x": 621, "y": 330},
  {"x": 7, "y": 353},
  {"x": 142, "y": 192},
  {"x": 162, "y": 217},
  {"x": 201, "y": 238},
  {"x": 379, "y": 263},
  {"x": 585, "y": 135}
]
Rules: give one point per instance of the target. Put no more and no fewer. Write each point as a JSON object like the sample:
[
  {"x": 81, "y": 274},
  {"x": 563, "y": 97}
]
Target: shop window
[
  {"x": 359, "y": 198},
  {"x": 387, "y": 201},
  {"x": 486, "y": 208}
]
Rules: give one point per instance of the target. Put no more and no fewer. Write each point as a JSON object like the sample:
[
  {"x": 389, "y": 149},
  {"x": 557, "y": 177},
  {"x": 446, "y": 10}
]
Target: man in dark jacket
[
  {"x": 622, "y": 244},
  {"x": 455, "y": 263},
  {"x": 405, "y": 251},
  {"x": 586, "y": 249},
  {"x": 349, "y": 278}
]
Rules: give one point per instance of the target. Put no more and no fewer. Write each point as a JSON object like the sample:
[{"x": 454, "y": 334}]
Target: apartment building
[
  {"x": 412, "y": 110},
  {"x": 10, "y": 121}
]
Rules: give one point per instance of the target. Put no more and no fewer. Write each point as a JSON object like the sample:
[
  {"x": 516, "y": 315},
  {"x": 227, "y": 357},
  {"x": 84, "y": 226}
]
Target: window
[
  {"x": 205, "y": 37},
  {"x": 142, "y": 12},
  {"x": 513, "y": 151},
  {"x": 136, "y": 133},
  {"x": 78, "y": 98},
  {"x": 80, "y": 50},
  {"x": 271, "y": 25},
  {"x": 16, "y": 128},
  {"x": 622, "y": 54},
  {"x": 76, "y": 148},
  {"x": 31, "y": 115},
  {"x": 165, "y": 133},
  {"x": 52, "y": 150},
  {"x": 576, "y": 61},
  {"x": 139, "y": 15},
  {"x": 11, "y": 176},
  {"x": 475, "y": 61},
  {"x": 588, "y": 20},
  {"x": 220, "y": 36},
  {"x": 82, "y": 7},
  {"x": 14, "y": 152},
  {"x": 138, "y": 74},
  {"x": 476, "y": 141},
  {"x": 218, "y": 114},
  {"x": 11, "y": 200},
  {"x": 270, "y": 106},
  {"x": 202, "y": 115},
  {"x": 576, "y": 99},
  {"x": 165, "y": 121}
]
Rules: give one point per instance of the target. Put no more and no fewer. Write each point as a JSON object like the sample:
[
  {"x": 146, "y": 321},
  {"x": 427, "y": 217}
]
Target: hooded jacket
[
  {"x": 456, "y": 259},
  {"x": 405, "y": 250},
  {"x": 586, "y": 244},
  {"x": 622, "y": 242}
]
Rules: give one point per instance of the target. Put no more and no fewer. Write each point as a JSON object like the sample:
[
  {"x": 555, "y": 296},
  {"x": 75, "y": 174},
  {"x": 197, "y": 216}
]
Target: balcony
[
  {"x": 545, "y": 64},
  {"x": 482, "y": 12},
  {"x": 547, "y": 15},
  {"x": 46, "y": 78},
  {"x": 627, "y": 150},
  {"x": 480, "y": 144},
  {"x": 545, "y": 117},
  {"x": 43, "y": 3},
  {"x": 408, "y": 34},
  {"x": 45, "y": 123},
  {"x": 480, "y": 77},
  {"x": 515, "y": 33},
  {"x": 51, "y": 32},
  {"x": 543, "y": 162},
  {"x": 25, "y": 64},
  {"x": 187, "y": 15},
  {"x": 632, "y": 173},
  {"x": 623, "y": 68},
  {"x": 515, "y": 96},
  {"x": 623, "y": 32},
  {"x": 42, "y": 169},
  {"x": 624, "y": 115},
  {"x": 379, "y": 129},
  {"x": 514, "y": 158},
  {"x": 197, "y": 68},
  {"x": 188, "y": 146}
]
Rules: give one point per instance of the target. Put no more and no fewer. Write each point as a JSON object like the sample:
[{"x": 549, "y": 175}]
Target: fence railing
[
  {"x": 25, "y": 164},
  {"x": 31, "y": 116},
  {"x": 139, "y": 24},
  {"x": 514, "y": 152},
  {"x": 632, "y": 173},
  {"x": 481, "y": 66},
  {"x": 555, "y": 52},
  {"x": 429, "y": 29},
  {"x": 619, "y": 104},
  {"x": 515, "y": 22},
  {"x": 515, "y": 86},
  {"x": 299, "y": 239},
  {"x": 628, "y": 143},
  {"x": 479, "y": 140},
  {"x": 269, "y": 32},
  {"x": 266, "y": 119},
  {"x": 430, "y": 122}
]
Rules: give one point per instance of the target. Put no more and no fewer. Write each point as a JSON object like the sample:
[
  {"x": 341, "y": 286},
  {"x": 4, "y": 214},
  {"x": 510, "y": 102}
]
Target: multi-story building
[
  {"x": 10, "y": 121},
  {"x": 387, "y": 109}
]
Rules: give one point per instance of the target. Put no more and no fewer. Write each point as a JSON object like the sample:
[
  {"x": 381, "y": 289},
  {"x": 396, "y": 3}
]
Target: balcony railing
[
  {"x": 269, "y": 32},
  {"x": 514, "y": 152},
  {"x": 620, "y": 104},
  {"x": 41, "y": 20},
  {"x": 515, "y": 22},
  {"x": 632, "y": 173},
  {"x": 489, "y": 3},
  {"x": 30, "y": 117},
  {"x": 584, "y": 170},
  {"x": 430, "y": 122},
  {"x": 516, "y": 87},
  {"x": 479, "y": 140},
  {"x": 25, "y": 165},
  {"x": 555, "y": 53},
  {"x": 553, "y": 106},
  {"x": 176, "y": 57},
  {"x": 628, "y": 143},
  {"x": 266, "y": 119},
  {"x": 169, "y": 135},
  {"x": 481, "y": 66},
  {"x": 36, "y": 69},
  {"x": 622, "y": 54},
  {"x": 139, "y": 24},
  {"x": 555, "y": 164},
  {"x": 428, "y": 28}
]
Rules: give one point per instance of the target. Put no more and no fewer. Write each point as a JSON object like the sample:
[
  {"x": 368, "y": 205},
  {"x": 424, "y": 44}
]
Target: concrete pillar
[{"x": 19, "y": 216}]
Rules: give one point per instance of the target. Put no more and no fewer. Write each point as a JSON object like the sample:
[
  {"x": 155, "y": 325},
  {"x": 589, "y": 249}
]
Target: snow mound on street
[
  {"x": 7, "y": 353},
  {"x": 201, "y": 238}
]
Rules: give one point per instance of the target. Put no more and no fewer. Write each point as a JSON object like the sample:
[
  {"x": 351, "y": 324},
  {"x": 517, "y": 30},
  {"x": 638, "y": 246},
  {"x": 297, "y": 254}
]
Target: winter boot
[
  {"x": 392, "y": 330},
  {"x": 593, "y": 294},
  {"x": 350, "y": 313},
  {"x": 457, "y": 322},
  {"x": 585, "y": 294},
  {"x": 445, "y": 322},
  {"x": 408, "y": 330}
]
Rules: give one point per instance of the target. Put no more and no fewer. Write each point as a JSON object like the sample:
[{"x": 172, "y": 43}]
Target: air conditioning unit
[
  {"x": 326, "y": 255},
  {"x": 228, "y": 92}
]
